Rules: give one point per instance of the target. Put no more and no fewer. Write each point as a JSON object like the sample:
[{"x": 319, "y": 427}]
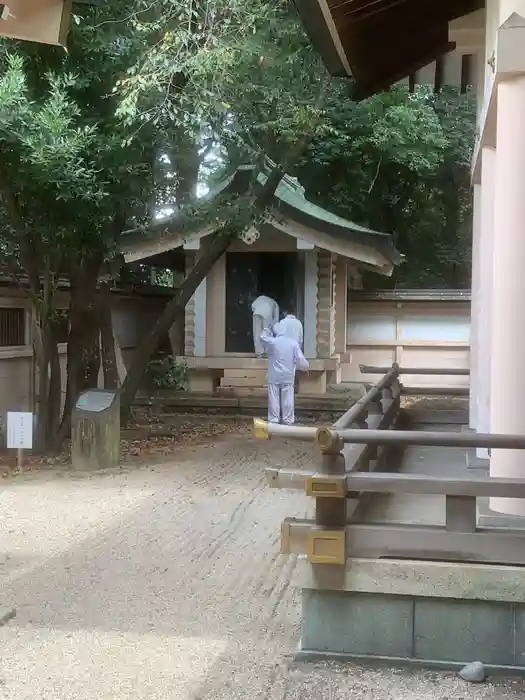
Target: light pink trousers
[{"x": 281, "y": 403}]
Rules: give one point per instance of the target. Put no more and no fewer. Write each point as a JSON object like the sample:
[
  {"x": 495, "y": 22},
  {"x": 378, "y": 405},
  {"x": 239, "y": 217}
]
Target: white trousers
[
  {"x": 259, "y": 324},
  {"x": 281, "y": 403}
]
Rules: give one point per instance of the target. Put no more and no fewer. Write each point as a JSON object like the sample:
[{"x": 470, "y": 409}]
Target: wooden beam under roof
[
  {"x": 382, "y": 41},
  {"x": 407, "y": 12},
  {"x": 365, "y": 10},
  {"x": 407, "y": 53},
  {"x": 41, "y": 21},
  {"x": 321, "y": 29},
  {"x": 397, "y": 70}
]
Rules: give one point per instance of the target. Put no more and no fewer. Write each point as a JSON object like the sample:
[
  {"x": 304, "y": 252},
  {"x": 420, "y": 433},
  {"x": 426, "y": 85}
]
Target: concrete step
[
  {"x": 245, "y": 372},
  {"x": 240, "y": 401},
  {"x": 241, "y": 384},
  {"x": 244, "y": 378},
  {"x": 425, "y": 416}
]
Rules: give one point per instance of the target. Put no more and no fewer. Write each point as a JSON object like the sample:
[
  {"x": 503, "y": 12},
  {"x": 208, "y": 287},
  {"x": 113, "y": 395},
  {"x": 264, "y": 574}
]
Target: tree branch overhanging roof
[
  {"x": 290, "y": 213},
  {"x": 378, "y": 42}
]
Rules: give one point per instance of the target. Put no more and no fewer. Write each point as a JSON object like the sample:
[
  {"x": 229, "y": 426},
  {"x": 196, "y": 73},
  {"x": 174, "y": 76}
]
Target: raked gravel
[{"x": 165, "y": 583}]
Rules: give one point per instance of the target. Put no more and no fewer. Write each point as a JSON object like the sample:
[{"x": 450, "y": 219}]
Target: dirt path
[{"x": 166, "y": 583}]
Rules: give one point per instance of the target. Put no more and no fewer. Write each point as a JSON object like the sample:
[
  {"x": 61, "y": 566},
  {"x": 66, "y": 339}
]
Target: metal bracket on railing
[
  {"x": 264, "y": 430},
  {"x": 328, "y": 440},
  {"x": 260, "y": 429},
  {"x": 327, "y": 546},
  {"x": 326, "y": 486}
]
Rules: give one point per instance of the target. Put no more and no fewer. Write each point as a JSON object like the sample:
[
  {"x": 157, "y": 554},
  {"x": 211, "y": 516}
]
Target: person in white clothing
[
  {"x": 265, "y": 312},
  {"x": 293, "y": 328},
  {"x": 284, "y": 357}
]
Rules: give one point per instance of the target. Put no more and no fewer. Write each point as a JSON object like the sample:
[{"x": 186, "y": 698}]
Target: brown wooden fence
[{"x": 358, "y": 458}]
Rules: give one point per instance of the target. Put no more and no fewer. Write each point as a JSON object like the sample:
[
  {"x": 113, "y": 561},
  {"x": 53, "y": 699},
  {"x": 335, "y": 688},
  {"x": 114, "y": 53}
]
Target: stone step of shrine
[
  {"x": 244, "y": 379},
  {"x": 242, "y": 401}
]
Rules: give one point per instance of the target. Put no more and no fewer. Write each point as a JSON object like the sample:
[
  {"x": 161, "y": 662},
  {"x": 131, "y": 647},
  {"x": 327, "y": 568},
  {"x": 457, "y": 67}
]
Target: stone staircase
[{"x": 244, "y": 379}]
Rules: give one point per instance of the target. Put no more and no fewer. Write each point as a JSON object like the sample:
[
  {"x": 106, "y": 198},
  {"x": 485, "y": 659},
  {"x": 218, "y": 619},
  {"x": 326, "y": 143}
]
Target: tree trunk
[
  {"x": 83, "y": 345},
  {"x": 42, "y": 408},
  {"x": 55, "y": 397},
  {"x": 177, "y": 336},
  {"x": 173, "y": 312},
  {"x": 49, "y": 389},
  {"x": 83, "y": 360},
  {"x": 107, "y": 340}
]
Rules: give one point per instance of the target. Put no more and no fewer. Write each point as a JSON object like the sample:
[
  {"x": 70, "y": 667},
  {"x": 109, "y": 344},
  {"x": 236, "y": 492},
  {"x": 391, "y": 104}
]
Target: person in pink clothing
[{"x": 284, "y": 357}]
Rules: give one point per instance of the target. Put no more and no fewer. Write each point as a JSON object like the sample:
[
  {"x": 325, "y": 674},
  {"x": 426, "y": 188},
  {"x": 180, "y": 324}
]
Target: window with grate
[{"x": 12, "y": 327}]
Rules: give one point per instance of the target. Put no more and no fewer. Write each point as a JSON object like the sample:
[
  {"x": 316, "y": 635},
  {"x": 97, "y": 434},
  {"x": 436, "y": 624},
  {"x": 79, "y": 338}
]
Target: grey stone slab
[
  {"x": 356, "y": 623},
  {"x": 419, "y": 579},
  {"x": 454, "y": 630},
  {"x": 425, "y": 416},
  {"x": 474, "y": 462},
  {"x": 490, "y": 518},
  {"x": 519, "y": 641}
]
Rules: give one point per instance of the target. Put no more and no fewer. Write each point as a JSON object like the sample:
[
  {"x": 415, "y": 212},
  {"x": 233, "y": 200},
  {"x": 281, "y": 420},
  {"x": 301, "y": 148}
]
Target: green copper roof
[{"x": 289, "y": 201}]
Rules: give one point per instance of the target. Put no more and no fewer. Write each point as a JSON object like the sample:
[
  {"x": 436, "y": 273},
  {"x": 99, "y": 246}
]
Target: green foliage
[
  {"x": 44, "y": 138},
  {"x": 394, "y": 133},
  {"x": 400, "y": 163},
  {"x": 243, "y": 73},
  {"x": 77, "y": 186},
  {"x": 168, "y": 372}
]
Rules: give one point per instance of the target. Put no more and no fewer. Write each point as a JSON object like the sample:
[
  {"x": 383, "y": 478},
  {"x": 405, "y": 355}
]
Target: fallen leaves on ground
[
  {"x": 182, "y": 430},
  {"x": 193, "y": 431}
]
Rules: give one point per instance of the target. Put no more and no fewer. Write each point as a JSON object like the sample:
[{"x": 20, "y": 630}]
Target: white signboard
[{"x": 19, "y": 430}]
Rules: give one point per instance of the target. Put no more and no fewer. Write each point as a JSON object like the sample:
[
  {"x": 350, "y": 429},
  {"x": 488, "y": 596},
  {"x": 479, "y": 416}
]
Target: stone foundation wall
[{"x": 443, "y": 630}]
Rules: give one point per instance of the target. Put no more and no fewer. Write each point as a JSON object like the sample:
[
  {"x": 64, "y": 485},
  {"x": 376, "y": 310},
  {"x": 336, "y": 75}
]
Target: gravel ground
[{"x": 166, "y": 582}]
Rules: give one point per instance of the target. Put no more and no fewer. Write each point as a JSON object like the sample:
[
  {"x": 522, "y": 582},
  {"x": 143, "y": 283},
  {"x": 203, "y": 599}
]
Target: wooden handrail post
[
  {"x": 361, "y": 421},
  {"x": 373, "y": 421},
  {"x": 331, "y": 512},
  {"x": 327, "y": 541},
  {"x": 461, "y": 513},
  {"x": 387, "y": 397},
  {"x": 375, "y": 408},
  {"x": 396, "y": 386}
]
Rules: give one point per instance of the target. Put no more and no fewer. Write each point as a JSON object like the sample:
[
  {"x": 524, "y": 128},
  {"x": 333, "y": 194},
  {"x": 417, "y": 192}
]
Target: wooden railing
[
  {"x": 377, "y": 411},
  {"x": 357, "y": 461},
  {"x": 429, "y": 372}
]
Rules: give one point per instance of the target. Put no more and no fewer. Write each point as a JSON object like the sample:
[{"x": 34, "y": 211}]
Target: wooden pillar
[
  {"x": 195, "y": 313},
  {"x": 310, "y": 304},
  {"x": 325, "y": 304},
  {"x": 483, "y": 328},
  {"x": 481, "y": 282},
  {"x": 475, "y": 311},
  {"x": 327, "y": 541},
  {"x": 507, "y": 414},
  {"x": 341, "y": 306}
]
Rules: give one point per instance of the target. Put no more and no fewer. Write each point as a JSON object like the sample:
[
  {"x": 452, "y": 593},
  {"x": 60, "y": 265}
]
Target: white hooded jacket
[
  {"x": 293, "y": 328},
  {"x": 284, "y": 356},
  {"x": 267, "y": 308}
]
